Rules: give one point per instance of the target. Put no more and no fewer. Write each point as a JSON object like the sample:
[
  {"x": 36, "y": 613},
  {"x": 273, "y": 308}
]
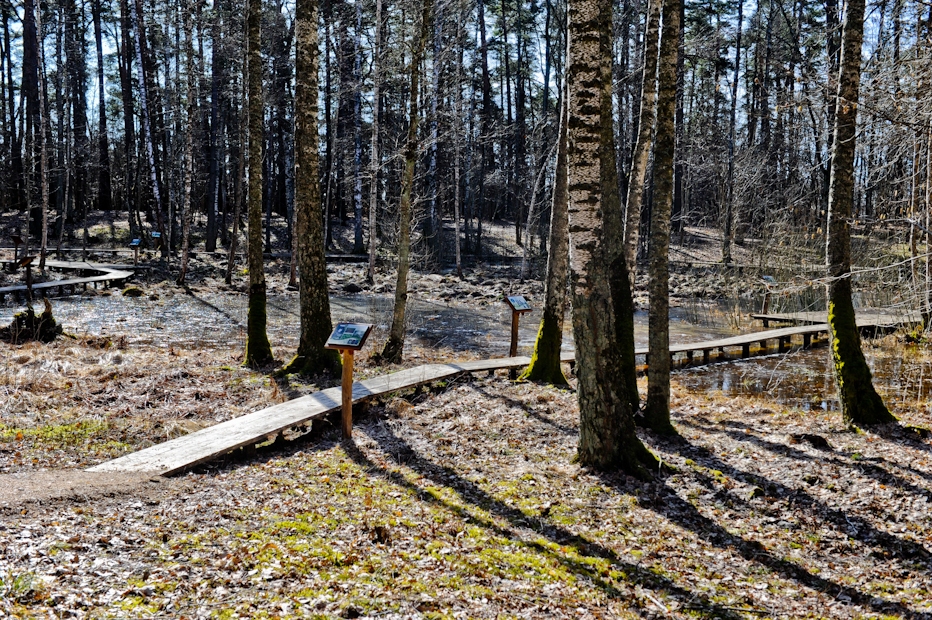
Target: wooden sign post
[
  {"x": 347, "y": 338},
  {"x": 519, "y": 306},
  {"x": 17, "y": 241},
  {"x": 26, "y": 262},
  {"x": 135, "y": 243}
]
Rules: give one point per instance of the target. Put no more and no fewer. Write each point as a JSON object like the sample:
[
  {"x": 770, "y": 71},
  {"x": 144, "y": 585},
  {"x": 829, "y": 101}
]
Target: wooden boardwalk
[
  {"x": 866, "y": 317},
  {"x": 90, "y": 273},
  {"x": 251, "y": 429},
  {"x": 248, "y": 430}
]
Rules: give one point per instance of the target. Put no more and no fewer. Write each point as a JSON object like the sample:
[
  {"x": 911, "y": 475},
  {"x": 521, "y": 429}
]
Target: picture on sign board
[
  {"x": 349, "y": 336},
  {"x": 518, "y": 303}
]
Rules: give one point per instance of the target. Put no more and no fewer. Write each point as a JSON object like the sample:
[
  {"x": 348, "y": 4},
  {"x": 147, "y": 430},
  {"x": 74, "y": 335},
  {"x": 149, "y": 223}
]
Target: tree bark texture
[
  {"x": 657, "y": 407},
  {"x": 545, "y": 361},
  {"x": 258, "y": 349},
  {"x": 607, "y": 438},
  {"x": 311, "y": 358},
  {"x": 394, "y": 347},
  {"x": 860, "y": 403},
  {"x": 638, "y": 175}
]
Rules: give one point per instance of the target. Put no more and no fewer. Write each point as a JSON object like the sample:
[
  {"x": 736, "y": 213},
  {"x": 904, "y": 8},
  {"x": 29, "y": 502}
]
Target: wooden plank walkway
[
  {"x": 865, "y": 317},
  {"x": 209, "y": 443},
  {"x": 106, "y": 274},
  {"x": 214, "y": 441}
]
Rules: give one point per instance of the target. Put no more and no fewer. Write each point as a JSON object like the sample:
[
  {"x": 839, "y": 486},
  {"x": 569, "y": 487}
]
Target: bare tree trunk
[
  {"x": 545, "y": 361},
  {"x": 311, "y": 358},
  {"x": 657, "y": 407},
  {"x": 43, "y": 145},
  {"x": 638, "y": 175},
  {"x": 457, "y": 151},
  {"x": 104, "y": 184},
  {"x": 607, "y": 438},
  {"x": 728, "y": 223},
  {"x": 860, "y": 403},
  {"x": 258, "y": 349},
  {"x": 188, "y": 206},
  {"x": 394, "y": 347},
  {"x": 358, "y": 247},
  {"x": 139, "y": 29},
  {"x": 375, "y": 161}
]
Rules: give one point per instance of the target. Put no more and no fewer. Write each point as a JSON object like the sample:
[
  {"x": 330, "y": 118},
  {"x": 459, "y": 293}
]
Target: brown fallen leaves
[{"x": 464, "y": 501}]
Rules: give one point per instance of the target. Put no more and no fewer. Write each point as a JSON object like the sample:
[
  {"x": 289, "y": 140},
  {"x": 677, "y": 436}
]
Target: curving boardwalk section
[
  {"x": 249, "y": 430},
  {"x": 88, "y": 273}
]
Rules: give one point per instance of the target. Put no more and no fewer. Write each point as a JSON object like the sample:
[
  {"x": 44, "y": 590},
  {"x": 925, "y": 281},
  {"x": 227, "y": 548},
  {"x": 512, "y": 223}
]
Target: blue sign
[{"x": 135, "y": 243}]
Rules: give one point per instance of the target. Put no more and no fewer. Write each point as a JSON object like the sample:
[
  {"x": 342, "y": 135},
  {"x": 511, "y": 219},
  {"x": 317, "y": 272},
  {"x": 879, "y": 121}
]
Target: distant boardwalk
[{"x": 88, "y": 273}]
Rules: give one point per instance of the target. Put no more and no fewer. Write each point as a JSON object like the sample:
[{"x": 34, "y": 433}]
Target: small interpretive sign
[
  {"x": 518, "y": 303},
  {"x": 349, "y": 336},
  {"x": 135, "y": 243}
]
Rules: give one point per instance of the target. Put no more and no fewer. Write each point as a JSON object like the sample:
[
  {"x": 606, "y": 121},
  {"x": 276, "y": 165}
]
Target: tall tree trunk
[
  {"x": 358, "y": 247},
  {"x": 728, "y": 222},
  {"x": 860, "y": 403},
  {"x": 191, "y": 83},
  {"x": 129, "y": 126},
  {"x": 76, "y": 64},
  {"x": 657, "y": 407},
  {"x": 311, "y": 358},
  {"x": 104, "y": 183},
  {"x": 43, "y": 145},
  {"x": 457, "y": 149},
  {"x": 258, "y": 349},
  {"x": 545, "y": 361},
  {"x": 217, "y": 69},
  {"x": 394, "y": 347},
  {"x": 607, "y": 438},
  {"x": 375, "y": 158},
  {"x": 144, "y": 101},
  {"x": 638, "y": 175}
]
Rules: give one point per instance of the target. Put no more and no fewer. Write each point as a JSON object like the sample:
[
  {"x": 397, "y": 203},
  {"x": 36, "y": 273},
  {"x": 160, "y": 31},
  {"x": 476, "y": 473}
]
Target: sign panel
[
  {"x": 135, "y": 243},
  {"x": 518, "y": 303},
  {"x": 349, "y": 336}
]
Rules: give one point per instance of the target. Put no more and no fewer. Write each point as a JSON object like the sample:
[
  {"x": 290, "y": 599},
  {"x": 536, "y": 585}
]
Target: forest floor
[{"x": 460, "y": 499}]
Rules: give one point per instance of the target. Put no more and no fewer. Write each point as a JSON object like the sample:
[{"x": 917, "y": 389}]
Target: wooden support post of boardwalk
[{"x": 246, "y": 431}]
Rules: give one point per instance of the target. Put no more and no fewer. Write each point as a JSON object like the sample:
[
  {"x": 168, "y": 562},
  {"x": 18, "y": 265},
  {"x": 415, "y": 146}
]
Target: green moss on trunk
[
  {"x": 258, "y": 348},
  {"x": 545, "y": 362}
]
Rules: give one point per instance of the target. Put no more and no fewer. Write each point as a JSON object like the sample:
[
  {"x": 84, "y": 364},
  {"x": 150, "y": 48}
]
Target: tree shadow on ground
[
  {"x": 517, "y": 404},
  {"x": 681, "y": 512},
  {"x": 555, "y": 543},
  {"x": 864, "y": 465}
]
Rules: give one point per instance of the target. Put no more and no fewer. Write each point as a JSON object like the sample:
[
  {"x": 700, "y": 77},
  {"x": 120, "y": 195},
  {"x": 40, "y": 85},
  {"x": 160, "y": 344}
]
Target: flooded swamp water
[{"x": 798, "y": 379}]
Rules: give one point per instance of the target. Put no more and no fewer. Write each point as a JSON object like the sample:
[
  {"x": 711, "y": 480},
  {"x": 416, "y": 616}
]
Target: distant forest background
[{"x": 101, "y": 97}]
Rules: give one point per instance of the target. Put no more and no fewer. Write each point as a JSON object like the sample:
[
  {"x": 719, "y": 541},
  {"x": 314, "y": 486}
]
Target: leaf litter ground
[{"x": 463, "y": 500}]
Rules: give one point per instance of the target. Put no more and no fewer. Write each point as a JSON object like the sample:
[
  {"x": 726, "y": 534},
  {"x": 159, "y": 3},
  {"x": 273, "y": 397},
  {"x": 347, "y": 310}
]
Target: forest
[{"x": 221, "y": 182}]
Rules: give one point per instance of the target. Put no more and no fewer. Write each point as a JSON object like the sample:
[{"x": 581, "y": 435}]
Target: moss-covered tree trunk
[
  {"x": 657, "y": 407},
  {"x": 607, "y": 438},
  {"x": 396, "y": 338},
  {"x": 642, "y": 148},
  {"x": 312, "y": 357},
  {"x": 545, "y": 362},
  {"x": 258, "y": 349},
  {"x": 860, "y": 403}
]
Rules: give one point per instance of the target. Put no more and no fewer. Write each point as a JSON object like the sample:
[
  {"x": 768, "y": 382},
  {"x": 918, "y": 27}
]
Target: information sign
[
  {"x": 135, "y": 243},
  {"x": 349, "y": 336},
  {"x": 518, "y": 303}
]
